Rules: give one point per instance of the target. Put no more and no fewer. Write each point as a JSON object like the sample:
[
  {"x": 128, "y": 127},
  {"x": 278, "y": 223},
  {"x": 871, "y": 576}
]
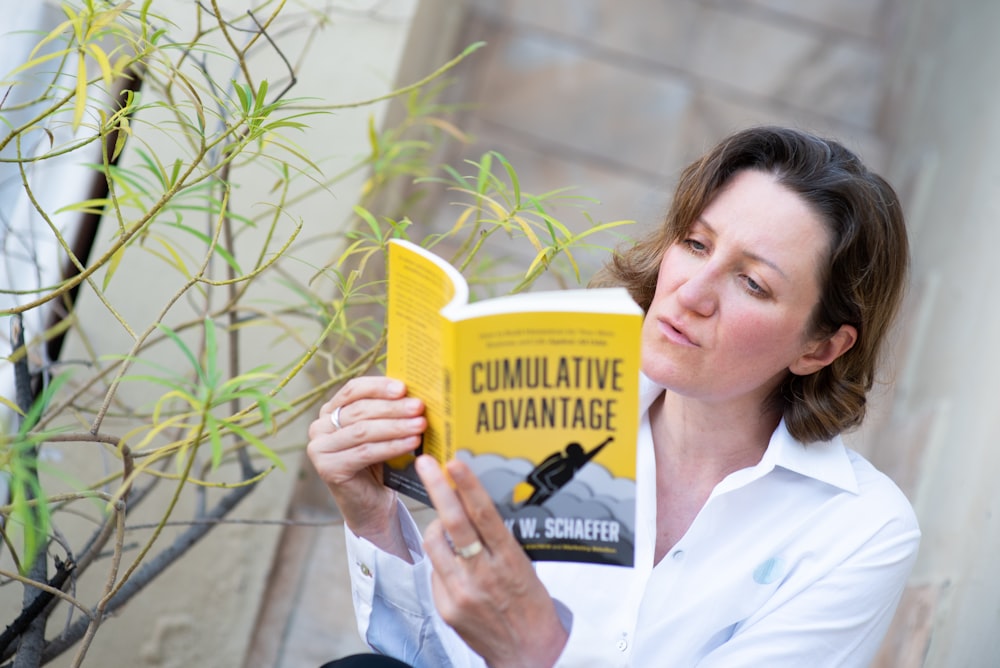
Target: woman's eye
[
  {"x": 695, "y": 246},
  {"x": 754, "y": 288}
]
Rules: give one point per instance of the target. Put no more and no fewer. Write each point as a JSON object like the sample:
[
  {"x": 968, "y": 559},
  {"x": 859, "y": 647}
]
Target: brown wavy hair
[{"x": 862, "y": 283}]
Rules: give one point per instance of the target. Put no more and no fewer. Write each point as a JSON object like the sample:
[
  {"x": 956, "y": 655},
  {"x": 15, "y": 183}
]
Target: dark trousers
[{"x": 366, "y": 661}]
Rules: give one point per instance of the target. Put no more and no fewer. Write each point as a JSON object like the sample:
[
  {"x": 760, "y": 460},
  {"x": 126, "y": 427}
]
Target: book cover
[{"x": 537, "y": 392}]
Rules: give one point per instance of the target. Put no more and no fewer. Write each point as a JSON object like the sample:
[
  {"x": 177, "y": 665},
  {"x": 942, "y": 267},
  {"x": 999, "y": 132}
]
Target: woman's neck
[
  {"x": 709, "y": 441},
  {"x": 696, "y": 447}
]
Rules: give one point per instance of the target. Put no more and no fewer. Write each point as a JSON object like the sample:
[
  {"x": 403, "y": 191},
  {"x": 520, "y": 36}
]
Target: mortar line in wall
[
  {"x": 546, "y": 146},
  {"x": 778, "y": 17},
  {"x": 659, "y": 70}
]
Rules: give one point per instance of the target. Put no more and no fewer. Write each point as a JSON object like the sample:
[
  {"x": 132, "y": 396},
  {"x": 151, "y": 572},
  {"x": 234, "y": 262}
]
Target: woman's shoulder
[{"x": 880, "y": 495}]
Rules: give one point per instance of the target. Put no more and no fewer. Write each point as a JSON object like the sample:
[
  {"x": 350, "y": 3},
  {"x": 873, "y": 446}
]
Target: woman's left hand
[{"x": 485, "y": 587}]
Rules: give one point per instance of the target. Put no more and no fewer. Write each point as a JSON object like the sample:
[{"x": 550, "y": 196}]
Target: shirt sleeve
[
  {"x": 394, "y": 606},
  {"x": 582, "y": 648},
  {"x": 839, "y": 619}
]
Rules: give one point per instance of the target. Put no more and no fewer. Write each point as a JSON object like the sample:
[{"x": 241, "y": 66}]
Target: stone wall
[{"x": 941, "y": 433}]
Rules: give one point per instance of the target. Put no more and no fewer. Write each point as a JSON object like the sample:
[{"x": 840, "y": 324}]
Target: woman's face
[{"x": 734, "y": 296}]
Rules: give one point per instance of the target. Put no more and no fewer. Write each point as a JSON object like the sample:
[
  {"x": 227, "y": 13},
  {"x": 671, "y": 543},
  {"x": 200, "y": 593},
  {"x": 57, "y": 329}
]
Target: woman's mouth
[{"x": 676, "y": 335}]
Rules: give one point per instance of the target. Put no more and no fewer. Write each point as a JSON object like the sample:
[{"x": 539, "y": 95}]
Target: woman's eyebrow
[
  {"x": 748, "y": 254},
  {"x": 764, "y": 260}
]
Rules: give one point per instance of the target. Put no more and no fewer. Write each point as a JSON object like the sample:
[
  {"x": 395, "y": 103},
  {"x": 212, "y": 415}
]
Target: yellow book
[{"x": 537, "y": 392}]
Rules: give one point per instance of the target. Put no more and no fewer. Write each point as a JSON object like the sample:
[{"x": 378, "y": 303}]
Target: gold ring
[
  {"x": 335, "y": 419},
  {"x": 470, "y": 550}
]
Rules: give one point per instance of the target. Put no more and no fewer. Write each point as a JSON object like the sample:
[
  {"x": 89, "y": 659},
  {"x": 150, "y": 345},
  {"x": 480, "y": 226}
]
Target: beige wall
[{"x": 941, "y": 438}]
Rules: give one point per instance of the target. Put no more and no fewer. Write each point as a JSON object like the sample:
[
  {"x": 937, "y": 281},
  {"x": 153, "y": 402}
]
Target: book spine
[{"x": 449, "y": 362}]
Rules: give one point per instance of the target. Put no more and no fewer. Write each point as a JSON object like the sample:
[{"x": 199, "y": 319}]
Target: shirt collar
[{"x": 826, "y": 461}]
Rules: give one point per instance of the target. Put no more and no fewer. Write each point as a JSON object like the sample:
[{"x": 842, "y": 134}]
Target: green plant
[{"x": 200, "y": 185}]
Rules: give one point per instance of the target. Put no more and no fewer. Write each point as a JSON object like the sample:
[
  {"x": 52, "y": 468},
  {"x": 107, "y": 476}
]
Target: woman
[{"x": 760, "y": 539}]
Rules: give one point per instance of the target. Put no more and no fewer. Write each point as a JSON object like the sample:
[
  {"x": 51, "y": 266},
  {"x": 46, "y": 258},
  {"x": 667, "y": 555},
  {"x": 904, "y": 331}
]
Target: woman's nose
[{"x": 699, "y": 292}]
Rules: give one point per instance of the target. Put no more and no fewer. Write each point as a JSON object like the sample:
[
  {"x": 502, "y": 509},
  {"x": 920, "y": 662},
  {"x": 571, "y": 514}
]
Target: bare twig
[
  {"x": 33, "y": 634},
  {"x": 35, "y": 608},
  {"x": 149, "y": 571}
]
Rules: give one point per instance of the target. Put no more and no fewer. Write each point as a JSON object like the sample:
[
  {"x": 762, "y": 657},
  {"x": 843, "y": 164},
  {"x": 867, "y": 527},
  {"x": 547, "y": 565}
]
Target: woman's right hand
[{"x": 377, "y": 422}]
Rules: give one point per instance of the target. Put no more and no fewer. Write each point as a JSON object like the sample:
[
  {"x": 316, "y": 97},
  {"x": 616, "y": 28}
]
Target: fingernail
[
  {"x": 453, "y": 466},
  {"x": 424, "y": 464},
  {"x": 396, "y": 387}
]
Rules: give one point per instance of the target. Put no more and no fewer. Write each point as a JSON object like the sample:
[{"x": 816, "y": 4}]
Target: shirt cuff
[{"x": 372, "y": 570}]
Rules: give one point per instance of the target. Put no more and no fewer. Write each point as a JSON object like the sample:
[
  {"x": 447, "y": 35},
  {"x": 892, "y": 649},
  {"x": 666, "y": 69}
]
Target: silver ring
[
  {"x": 335, "y": 419},
  {"x": 470, "y": 550}
]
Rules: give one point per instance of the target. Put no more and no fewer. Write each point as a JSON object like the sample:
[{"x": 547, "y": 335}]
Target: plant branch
[
  {"x": 35, "y": 608},
  {"x": 149, "y": 571},
  {"x": 98, "y": 616}
]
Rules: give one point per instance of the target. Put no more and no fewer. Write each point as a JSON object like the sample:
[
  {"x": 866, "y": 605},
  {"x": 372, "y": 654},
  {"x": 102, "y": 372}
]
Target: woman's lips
[{"x": 675, "y": 334}]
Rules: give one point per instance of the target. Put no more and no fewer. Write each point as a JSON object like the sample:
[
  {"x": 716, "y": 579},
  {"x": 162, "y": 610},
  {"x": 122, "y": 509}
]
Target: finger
[
  {"x": 378, "y": 409},
  {"x": 369, "y": 436},
  {"x": 479, "y": 506},
  {"x": 365, "y": 387},
  {"x": 340, "y": 455},
  {"x": 450, "y": 579},
  {"x": 438, "y": 549},
  {"x": 367, "y": 398},
  {"x": 378, "y": 417},
  {"x": 446, "y": 502}
]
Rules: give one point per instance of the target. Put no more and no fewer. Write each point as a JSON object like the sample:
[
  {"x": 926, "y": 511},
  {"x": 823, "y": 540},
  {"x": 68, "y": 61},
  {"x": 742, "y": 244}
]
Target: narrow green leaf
[
  {"x": 602, "y": 227},
  {"x": 184, "y": 349},
  {"x": 81, "y": 91},
  {"x": 512, "y": 175},
  {"x": 223, "y": 253},
  {"x": 257, "y": 444},
  {"x": 211, "y": 353},
  {"x": 41, "y": 403},
  {"x": 485, "y": 171},
  {"x": 553, "y": 225},
  {"x": 102, "y": 61},
  {"x": 260, "y": 100},
  {"x": 244, "y": 97},
  {"x": 473, "y": 47},
  {"x": 370, "y": 220},
  {"x": 153, "y": 166},
  {"x": 175, "y": 172},
  {"x": 124, "y": 130},
  {"x": 86, "y": 206},
  {"x": 112, "y": 267},
  {"x": 53, "y": 34},
  {"x": 11, "y": 405},
  {"x": 212, "y": 427},
  {"x": 373, "y": 138}
]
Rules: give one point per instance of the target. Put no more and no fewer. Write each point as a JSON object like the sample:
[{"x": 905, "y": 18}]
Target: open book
[{"x": 537, "y": 392}]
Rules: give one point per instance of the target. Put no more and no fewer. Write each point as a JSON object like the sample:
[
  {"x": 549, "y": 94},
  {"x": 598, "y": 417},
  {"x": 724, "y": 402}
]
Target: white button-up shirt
[{"x": 797, "y": 561}]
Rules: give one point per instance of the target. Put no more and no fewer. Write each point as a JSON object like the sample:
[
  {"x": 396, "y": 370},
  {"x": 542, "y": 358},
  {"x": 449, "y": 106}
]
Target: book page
[{"x": 591, "y": 300}]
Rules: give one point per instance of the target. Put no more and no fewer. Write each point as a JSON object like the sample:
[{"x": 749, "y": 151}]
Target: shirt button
[
  {"x": 365, "y": 570},
  {"x": 678, "y": 555},
  {"x": 622, "y": 645}
]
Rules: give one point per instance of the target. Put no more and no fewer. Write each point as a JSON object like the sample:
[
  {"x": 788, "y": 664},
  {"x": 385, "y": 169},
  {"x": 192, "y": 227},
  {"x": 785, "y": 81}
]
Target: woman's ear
[{"x": 823, "y": 352}]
